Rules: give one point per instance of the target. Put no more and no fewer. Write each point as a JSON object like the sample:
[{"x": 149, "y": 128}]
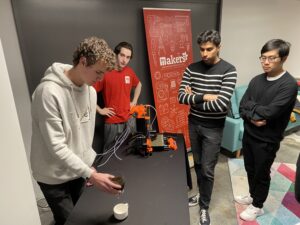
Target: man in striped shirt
[{"x": 207, "y": 86}]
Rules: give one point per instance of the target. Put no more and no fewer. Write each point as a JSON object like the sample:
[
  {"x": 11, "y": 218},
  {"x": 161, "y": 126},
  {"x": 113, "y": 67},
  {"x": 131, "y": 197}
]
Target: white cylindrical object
[{"x": 121, "y": 211}]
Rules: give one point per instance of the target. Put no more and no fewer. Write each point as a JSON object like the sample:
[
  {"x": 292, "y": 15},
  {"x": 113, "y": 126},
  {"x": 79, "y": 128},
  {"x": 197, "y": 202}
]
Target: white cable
[
  {"x": 120, "y": 140},
  {"x": 152, "y": 107},
  {"x": 119, "y": 143},
  {"x": 113, "y": 147}
]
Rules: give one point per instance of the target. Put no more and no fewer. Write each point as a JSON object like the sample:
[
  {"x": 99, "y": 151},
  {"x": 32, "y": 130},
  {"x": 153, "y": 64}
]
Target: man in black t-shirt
[{"x": 265, "y": 108}]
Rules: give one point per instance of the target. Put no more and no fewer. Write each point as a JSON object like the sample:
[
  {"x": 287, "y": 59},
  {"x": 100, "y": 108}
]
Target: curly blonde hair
[{"x": 95, "y": 49}]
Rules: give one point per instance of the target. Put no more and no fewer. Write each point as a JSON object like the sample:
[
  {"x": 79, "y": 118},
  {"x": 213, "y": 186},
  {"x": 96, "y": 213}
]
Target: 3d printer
[{"x": 146, "y": 139}]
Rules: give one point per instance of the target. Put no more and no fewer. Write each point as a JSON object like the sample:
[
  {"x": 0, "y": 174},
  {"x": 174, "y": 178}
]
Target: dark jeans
[
  {"x": 61, "y": 198},
  {"x": 259, "y": 157},
  {"x": 205, "y": 144}
]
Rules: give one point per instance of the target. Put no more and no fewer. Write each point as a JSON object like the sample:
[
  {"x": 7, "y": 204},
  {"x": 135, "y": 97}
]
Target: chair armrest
[{"x": 231, "y": 134}]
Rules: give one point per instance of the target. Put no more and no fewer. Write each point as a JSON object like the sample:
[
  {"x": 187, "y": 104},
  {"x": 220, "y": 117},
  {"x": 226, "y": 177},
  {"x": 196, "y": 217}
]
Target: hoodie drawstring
[{"x": 78, "y": 112}]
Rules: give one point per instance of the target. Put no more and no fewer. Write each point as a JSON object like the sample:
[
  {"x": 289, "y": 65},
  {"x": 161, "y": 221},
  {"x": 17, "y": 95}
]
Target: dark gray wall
[{"x": 49, "y": 31}]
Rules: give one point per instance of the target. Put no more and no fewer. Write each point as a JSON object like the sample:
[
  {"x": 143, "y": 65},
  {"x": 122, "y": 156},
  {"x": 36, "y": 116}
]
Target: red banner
[{"x": 169, "y": 43}]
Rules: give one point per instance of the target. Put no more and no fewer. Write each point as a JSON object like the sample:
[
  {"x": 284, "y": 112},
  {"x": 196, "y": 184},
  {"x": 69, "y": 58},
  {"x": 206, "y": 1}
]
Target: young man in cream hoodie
[{"x": 63, "y": 121}]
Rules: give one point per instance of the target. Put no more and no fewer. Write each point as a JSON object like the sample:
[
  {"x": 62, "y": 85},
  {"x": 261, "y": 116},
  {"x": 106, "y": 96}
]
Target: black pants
[
  {"x": 205, "y": 143},
  {"x": 297, "y": 182},
  {"x": 259, "y": 157},
  {"x": 62, "y": 198}
]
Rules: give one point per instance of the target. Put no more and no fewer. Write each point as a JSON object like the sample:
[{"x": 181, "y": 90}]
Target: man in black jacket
[{"x": 265, "y": 109}]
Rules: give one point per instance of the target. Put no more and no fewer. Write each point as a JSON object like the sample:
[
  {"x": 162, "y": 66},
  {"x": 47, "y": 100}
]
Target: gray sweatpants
[{"x": 113, "y": 130}]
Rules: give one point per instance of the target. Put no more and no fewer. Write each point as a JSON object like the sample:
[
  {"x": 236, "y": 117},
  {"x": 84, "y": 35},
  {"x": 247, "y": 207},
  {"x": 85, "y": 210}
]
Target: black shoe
[
  {"x": 204, "y": 217},
  {"x": 194, "y": 200}
]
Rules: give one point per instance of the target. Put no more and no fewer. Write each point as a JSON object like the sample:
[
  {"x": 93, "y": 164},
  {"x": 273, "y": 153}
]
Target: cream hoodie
[{"x": 63, "y": 122}]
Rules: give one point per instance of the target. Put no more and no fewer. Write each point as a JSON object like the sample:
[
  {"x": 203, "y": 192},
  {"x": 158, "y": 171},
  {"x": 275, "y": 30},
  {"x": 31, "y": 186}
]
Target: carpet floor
[{"x": 281, "y": 207}]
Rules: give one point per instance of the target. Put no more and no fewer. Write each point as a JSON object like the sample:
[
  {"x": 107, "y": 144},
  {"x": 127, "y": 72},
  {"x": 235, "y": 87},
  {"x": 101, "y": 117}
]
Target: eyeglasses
[{"x": 270, "y": 59}]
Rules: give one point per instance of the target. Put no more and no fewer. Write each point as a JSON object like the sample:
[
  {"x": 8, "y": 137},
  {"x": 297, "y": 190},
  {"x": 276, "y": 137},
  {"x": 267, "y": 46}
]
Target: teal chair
[{"x": 234, "y": 125}]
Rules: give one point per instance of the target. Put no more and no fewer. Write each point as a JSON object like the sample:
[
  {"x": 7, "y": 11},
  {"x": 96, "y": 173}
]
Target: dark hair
[
  {"x": 209, "y": 35},
  {"x": 123, "y": 44},
  {"x": 282, "y": 46}
]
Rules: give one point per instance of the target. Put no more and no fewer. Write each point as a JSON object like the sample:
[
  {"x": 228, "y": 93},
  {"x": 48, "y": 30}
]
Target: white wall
[
  {"x": 248, "y": 25},
  {"x": 17, "y": 77},
  {"x": 17, "y": 204},
  {"x": 15, "y": 67}
]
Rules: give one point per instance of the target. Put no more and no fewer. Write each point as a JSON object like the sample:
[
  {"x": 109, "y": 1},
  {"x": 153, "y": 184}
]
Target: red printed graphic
[{"x": 169, "y": 43}]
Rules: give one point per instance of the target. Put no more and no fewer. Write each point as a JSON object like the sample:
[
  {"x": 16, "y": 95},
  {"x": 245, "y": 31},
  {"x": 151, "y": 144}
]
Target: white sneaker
[
  {"x": 251, "y": 212},
  {"x": 194, "y": 200},
  {"x": 244, "y": 200}
]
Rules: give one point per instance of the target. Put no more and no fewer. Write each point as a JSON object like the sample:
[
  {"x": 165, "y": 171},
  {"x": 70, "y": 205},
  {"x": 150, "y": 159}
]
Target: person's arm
[
  {"x": 246, "y": 105},
  {"x": 184, "y": 96},
  {"x": 219, "y": 102},
  {"x": 103, "y": 182},
  {"x": 105, "y": 111},
  {"x": 99, "y": 86},
  {"x": 137, "y": 92},
  {"x": 210, "y": 97},
  {"x": 259, "y": 123},
  {"x": 284, "y": 97},
  {"x": 206, "y": 97}
]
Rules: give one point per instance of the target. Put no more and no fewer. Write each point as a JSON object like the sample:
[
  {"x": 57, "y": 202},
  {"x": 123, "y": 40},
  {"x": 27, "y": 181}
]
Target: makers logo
[{"x": 164, "y": 61}]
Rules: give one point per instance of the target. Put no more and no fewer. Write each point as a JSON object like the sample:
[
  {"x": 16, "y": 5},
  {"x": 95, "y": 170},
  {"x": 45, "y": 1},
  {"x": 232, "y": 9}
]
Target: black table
[{"x": 155, "y": 189}]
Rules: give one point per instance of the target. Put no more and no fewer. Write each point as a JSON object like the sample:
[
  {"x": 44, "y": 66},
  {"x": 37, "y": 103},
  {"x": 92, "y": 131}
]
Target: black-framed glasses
[{"x": 270, "y": 59}]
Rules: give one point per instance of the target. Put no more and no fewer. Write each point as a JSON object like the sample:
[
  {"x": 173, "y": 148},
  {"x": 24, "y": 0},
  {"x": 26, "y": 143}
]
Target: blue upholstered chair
[{"x": 234, "y": 127}]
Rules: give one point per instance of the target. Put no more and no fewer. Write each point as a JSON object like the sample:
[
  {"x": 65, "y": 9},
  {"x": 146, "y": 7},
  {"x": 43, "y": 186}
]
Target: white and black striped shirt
[{"x": 217, "y": 79}]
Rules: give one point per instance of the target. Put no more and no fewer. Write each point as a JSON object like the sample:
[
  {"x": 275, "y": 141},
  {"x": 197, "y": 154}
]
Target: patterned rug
[{"x": 281, "y": 207}]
